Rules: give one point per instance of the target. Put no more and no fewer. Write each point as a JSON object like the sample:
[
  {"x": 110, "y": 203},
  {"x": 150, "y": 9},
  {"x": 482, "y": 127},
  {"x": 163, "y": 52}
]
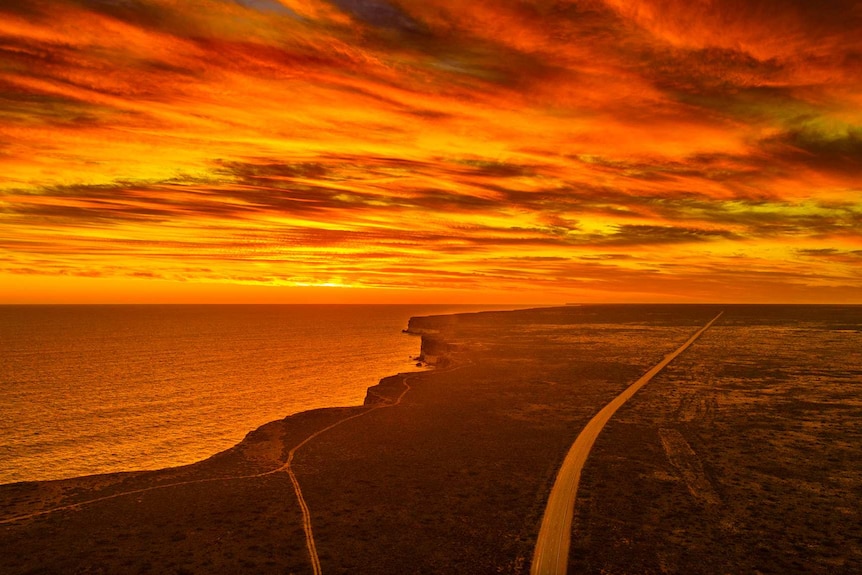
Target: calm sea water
[{"x": 96, "y": 389}]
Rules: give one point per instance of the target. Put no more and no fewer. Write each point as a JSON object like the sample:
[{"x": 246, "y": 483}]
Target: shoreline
[
  {"x": 372, "y": 397},
  {"x": 114, "y": 396},
  {"x": 456, "y": 479},
  {"x": 428, "y": 360},
  {"x": 434, "y": 353}
]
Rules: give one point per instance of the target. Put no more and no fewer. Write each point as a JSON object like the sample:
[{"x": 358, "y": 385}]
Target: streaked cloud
[{"x": 649, "y": 150}]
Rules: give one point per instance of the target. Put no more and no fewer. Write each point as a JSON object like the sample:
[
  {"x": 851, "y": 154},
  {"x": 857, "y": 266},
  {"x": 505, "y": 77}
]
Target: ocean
[{"x": 95, "y": 389}]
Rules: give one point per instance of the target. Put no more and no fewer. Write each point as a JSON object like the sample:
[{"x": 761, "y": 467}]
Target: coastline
[
  {"x": 101, "y": 389},
  {"x": 455, "y": 478},
  {"x": 81, "y": 504},
  {"x": 381, "y": 392},
  {"x": 258, "y": 448}
]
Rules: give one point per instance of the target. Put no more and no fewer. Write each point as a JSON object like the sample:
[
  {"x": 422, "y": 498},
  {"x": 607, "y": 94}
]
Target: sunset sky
[{"x": 479, "y": 151}]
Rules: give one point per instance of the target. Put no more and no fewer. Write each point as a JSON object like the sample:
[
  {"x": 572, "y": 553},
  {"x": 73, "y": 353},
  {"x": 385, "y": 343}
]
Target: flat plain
[{"x": 743, "y": 455}]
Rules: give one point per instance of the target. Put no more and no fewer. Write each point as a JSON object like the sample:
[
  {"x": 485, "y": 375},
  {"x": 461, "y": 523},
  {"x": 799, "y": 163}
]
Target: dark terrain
[{"x": 742, "y": 457}]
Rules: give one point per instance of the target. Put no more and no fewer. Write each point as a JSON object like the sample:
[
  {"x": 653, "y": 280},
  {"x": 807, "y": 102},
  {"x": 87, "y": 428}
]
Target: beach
[{"x": 449, "y": 470}]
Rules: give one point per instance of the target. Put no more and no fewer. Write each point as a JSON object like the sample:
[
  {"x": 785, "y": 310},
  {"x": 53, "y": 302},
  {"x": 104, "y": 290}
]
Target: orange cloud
[{"x": 579, "y": 150}]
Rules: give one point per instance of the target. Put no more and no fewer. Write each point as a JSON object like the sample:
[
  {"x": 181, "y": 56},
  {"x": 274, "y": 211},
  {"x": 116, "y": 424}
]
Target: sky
[{"x": 405, "y": 151}]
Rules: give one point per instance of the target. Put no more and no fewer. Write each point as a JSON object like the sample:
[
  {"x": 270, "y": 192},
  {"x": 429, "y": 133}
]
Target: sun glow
[{"x": 432, "y": 151}]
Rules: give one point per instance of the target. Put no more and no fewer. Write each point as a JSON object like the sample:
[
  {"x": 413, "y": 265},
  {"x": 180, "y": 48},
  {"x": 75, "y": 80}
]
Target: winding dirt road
[{"x": 551, "y": 556}]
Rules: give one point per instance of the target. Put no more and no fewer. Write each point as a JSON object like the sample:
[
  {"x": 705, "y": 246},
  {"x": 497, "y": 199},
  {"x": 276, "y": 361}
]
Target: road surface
[{"x": 551, "y": 556}]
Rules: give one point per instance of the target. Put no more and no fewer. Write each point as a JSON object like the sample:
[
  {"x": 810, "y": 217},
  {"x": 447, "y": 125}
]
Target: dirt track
[{"x": 551, "y": 556}]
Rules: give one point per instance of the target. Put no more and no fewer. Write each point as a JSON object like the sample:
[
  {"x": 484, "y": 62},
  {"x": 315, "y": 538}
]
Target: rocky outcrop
[
  {"x": 387, "y": 391},
  {"x": 434, "y": 351}
]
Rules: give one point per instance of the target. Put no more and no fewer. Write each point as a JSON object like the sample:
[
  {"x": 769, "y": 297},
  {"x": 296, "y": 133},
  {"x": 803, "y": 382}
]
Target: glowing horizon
[{"x": 430, "y": 151}]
